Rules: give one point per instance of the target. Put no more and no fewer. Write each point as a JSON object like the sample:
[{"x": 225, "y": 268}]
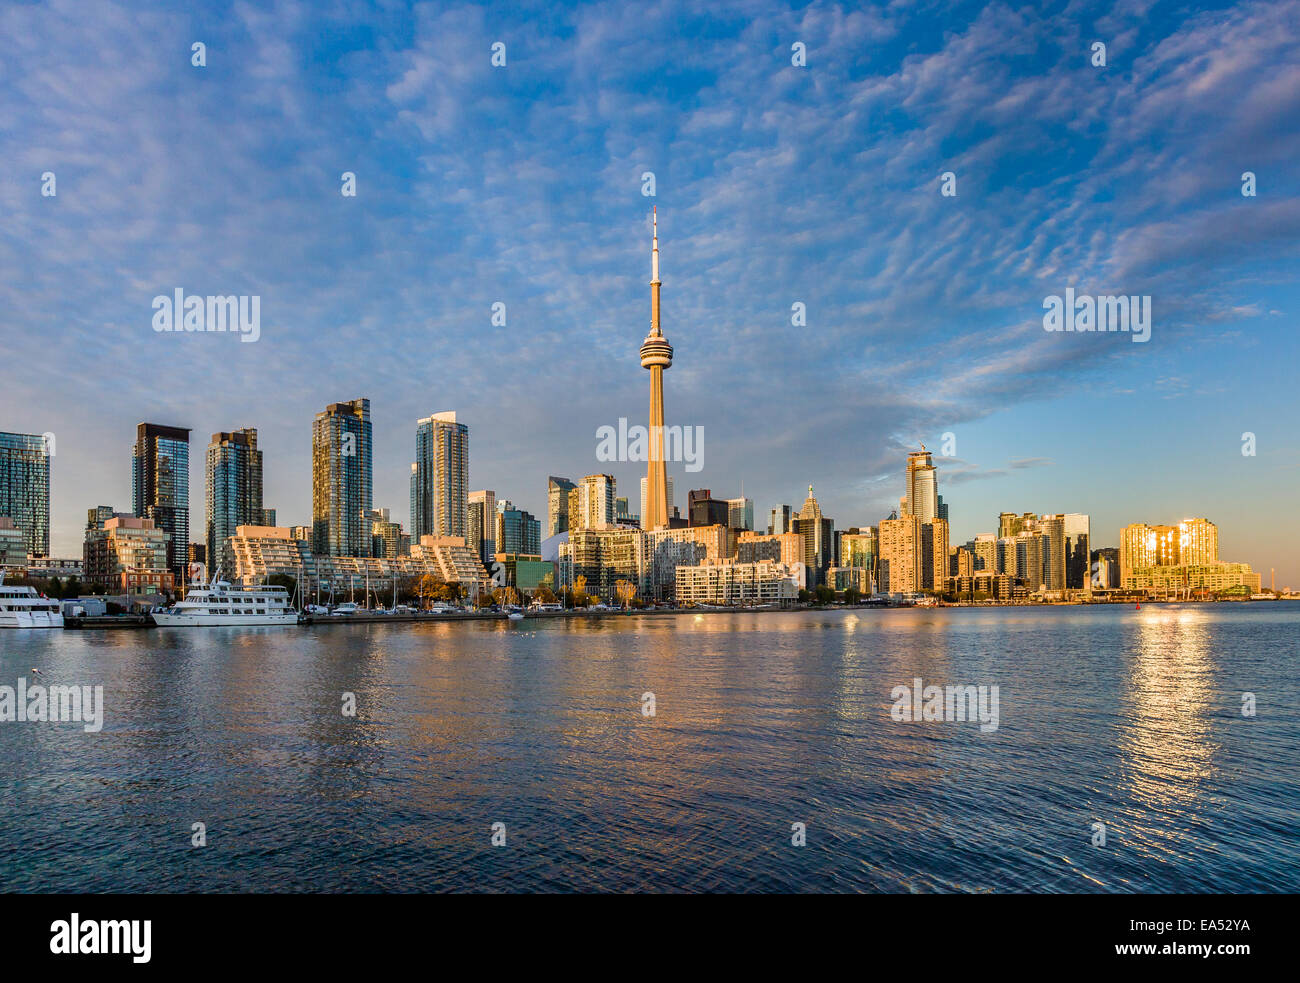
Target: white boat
[
  {"x": 516, "y": 616},
  {"x": 23, "y": 607},
  {"x": 221, "y": 604}
]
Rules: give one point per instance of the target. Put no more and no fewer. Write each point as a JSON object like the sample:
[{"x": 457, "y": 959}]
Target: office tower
[
  {"x": 517, "y": 531},
  {"x": 943, "y": 509},
  {"x": 268, "y": 517},
  {"x": 645, "y": 504},
  {"x": 441, "y": 477},
  {"x": 778, "y": 520},
  {"x": 934, "y": 554},
  {"x": 591, "y": 502},
  {"x": 860, "y": 548},
  {"x": 922, "y": 489},
  {"x": 900, "y": 555},
  {"x": 25, "y": 488},
  {"x": 341, "y": 479},
  {"x": 481, "y": 523},
  {"x": 740, "y": 513},
  {"x": 160, "y": 482},
  {"x": 1198, "y": 542},
  {"x": 557, "y": 504},
  {"x": 705, "y": 510},
  {"x": 818, "y": 534},
  {"x": 656, "y": 355},
  {"x": 1077, "y": 552},
  {"x": 234, "y": 492}
]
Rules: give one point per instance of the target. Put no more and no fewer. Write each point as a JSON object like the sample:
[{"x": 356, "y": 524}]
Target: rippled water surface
[{"x": 1107, "y": 714}]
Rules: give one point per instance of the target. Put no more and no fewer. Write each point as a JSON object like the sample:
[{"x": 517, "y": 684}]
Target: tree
[
  {"x": 824, "y": 594},
  {"x": 580, "y": 599},
  {"x": 852, "y": 595},
  {"x": 624, "y": 590},
  {"x": 544, "y": 595},
  {"x": 803, "y": 595}
]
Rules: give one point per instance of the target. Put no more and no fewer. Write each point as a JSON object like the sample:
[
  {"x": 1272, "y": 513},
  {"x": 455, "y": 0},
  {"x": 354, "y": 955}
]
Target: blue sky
[{"x": 775, "y": 184}]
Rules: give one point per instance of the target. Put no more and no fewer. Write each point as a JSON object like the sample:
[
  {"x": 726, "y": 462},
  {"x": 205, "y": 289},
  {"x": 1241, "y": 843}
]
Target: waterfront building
[
  {"x": 656, "y": 356},
  {"x": 234, "y": 491},
  {"x": 860, "y": 548},
  {"x": 525, "y": 572},
  {"x": 1052, "y": 530},
  {"x": 129, "y": 555},
  {"x": 1142, "y": 546},
  {"x": 481, "y": 523},
  {"x": 667, "y": 550},
  {"x": 160, "y": 487},
  {"x": 441, "y": 477},
  {"x": 934, "y": 554},
  {"x": 1198, "y": 542},
  {"x": 786, "y": 548},
  {"x": 603, "y": 557},
  {"x": 342, "y": 479},
  {"x": 900, "y": 555},
  {"x": 983, "y": 586},
  {"x": 729, "y": 582},
  {"x": 264, "y": 551},
  {"x": 25, "y": 488},
  {"x": 48, "y": 567},
  {"x": 13, "y": 545},
  {"x": 1175, "y": 578},
  {"x": 849, "y": 578}
]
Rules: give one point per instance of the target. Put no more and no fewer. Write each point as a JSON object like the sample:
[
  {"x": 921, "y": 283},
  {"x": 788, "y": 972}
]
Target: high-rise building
[
  {"x": 557, "y": 504},
  {"x": 922, "y": 487},
  {"x": 934, "y": 554},
  {"x": 818, "y": 534},
  {"x": 1141, "y": 546},
  {"x": 900, "y": 555},
  {"x": 387, "y": 538},
  {"x": 234, "y": 493},
  {"x": 1198, "y": 542},
  {"x": 129, "y": 554},
  {"x": 591, "y": 502},
  {"x": 25, "y": 488},
  {"x": 1052, "y": 529},
  {"x": 1077, "y": 552},
  {"x": 160, "y": 487},
  {"x": 656, "y": 356},
  {"x": 984, "y": 549},
  {"x": 705, "y": 510},
  {"x": 778, "y": 521},
  {"x": 740, "y": 513},
  {"x": 943, "y": 509},
  {"x": 481, "y": 524},
  {"x": 342, "y": 479},
  {"x": 441, "y": 477},
  {"x": 646, "y": 504},
  {"x": 517, "y": 531}
]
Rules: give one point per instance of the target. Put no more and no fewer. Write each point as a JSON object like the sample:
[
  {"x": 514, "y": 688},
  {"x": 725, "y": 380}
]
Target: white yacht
[
  {"x": 221, "y": 604},
  {"x": 22, "y": 607}
]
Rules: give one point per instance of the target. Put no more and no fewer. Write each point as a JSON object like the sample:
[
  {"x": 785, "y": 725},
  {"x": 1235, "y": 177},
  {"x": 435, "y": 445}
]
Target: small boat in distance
[
  {"x": 221, "y": 604},
  {"x": 23, "y": 607}
]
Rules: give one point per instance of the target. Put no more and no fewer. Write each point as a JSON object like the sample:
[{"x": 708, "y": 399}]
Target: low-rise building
[{"x": 731, "y": 582}]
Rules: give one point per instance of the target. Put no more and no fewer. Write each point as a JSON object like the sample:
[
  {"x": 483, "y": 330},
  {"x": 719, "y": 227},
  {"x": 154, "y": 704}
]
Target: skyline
[{"x": 923, "y": 313}]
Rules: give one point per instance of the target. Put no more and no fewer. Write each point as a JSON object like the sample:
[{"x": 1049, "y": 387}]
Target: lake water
[{"x": 1130, "y": 718}]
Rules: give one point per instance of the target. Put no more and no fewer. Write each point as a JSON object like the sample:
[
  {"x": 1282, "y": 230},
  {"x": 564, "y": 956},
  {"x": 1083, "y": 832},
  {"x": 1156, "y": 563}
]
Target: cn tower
[{"x": 656, "y": 355}]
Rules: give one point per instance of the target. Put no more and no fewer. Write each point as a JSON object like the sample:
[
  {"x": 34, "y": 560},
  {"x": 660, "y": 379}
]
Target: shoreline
[{"x": 113, "y": 622}]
